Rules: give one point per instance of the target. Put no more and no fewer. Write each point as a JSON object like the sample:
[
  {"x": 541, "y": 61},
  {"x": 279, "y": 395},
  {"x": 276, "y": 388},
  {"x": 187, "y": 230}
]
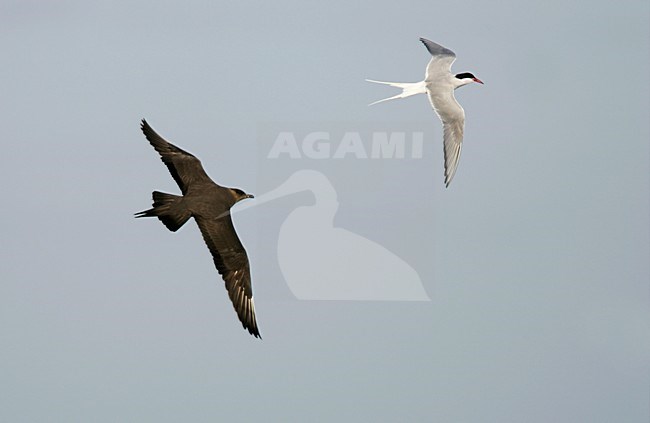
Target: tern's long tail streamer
[{"x": 408, "y": 89}]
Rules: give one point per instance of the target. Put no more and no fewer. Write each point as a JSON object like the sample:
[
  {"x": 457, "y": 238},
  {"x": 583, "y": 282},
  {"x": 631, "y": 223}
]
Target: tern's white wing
[
  {"x": 452, "y": 116},
  {"x": 441, "y": 60}
]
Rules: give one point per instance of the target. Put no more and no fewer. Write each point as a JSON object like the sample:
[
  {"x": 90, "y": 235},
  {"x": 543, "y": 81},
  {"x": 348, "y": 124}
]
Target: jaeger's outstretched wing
[
  {"x": 231, "y": 261},
  {"x": 184, "y": 167}
]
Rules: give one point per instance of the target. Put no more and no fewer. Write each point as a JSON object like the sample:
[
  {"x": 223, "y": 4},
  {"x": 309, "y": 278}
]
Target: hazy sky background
[{"x": 536, "y": 257}]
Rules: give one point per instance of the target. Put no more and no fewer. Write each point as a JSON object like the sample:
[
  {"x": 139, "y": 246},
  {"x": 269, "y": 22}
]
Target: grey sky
[{"x": 536, "y": 257}]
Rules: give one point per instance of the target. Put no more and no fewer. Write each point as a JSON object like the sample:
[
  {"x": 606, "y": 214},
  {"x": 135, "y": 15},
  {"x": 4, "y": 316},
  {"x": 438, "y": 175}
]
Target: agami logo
[
  {"x": 334, "y": 236},
  {"x": 321, "y": 145}
]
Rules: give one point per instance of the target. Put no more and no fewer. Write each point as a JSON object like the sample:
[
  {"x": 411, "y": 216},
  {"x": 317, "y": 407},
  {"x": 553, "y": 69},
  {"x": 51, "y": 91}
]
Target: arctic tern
[{"x": 439, "y": 83}]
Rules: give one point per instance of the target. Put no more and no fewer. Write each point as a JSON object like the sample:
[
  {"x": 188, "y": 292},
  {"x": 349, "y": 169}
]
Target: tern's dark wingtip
[{"x": 436, "y": 49}]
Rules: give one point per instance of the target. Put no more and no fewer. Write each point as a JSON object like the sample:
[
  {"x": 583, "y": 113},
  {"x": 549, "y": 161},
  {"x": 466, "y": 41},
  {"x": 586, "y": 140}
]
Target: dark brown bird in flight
[{"x": 209, "y": 204}]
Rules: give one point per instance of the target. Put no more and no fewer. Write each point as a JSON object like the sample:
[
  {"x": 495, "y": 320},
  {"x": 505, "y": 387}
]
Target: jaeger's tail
[
  {"x": 169, "y": 209},
  {"x": 408, "y": 89}
]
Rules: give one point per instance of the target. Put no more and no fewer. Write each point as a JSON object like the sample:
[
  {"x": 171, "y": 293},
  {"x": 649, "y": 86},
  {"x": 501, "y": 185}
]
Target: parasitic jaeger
[{"x": 209, "y": 204}]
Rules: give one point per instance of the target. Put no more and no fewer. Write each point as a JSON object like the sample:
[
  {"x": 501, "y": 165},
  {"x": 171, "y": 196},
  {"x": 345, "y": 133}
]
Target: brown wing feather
[
  {"x": 183, "y": 166},
  {"x": 231, "y": 261}
]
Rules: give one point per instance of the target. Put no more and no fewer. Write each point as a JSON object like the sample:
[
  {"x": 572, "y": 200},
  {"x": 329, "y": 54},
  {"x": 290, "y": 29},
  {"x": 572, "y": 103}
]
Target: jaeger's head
[{"x": 240, "y": 195}]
